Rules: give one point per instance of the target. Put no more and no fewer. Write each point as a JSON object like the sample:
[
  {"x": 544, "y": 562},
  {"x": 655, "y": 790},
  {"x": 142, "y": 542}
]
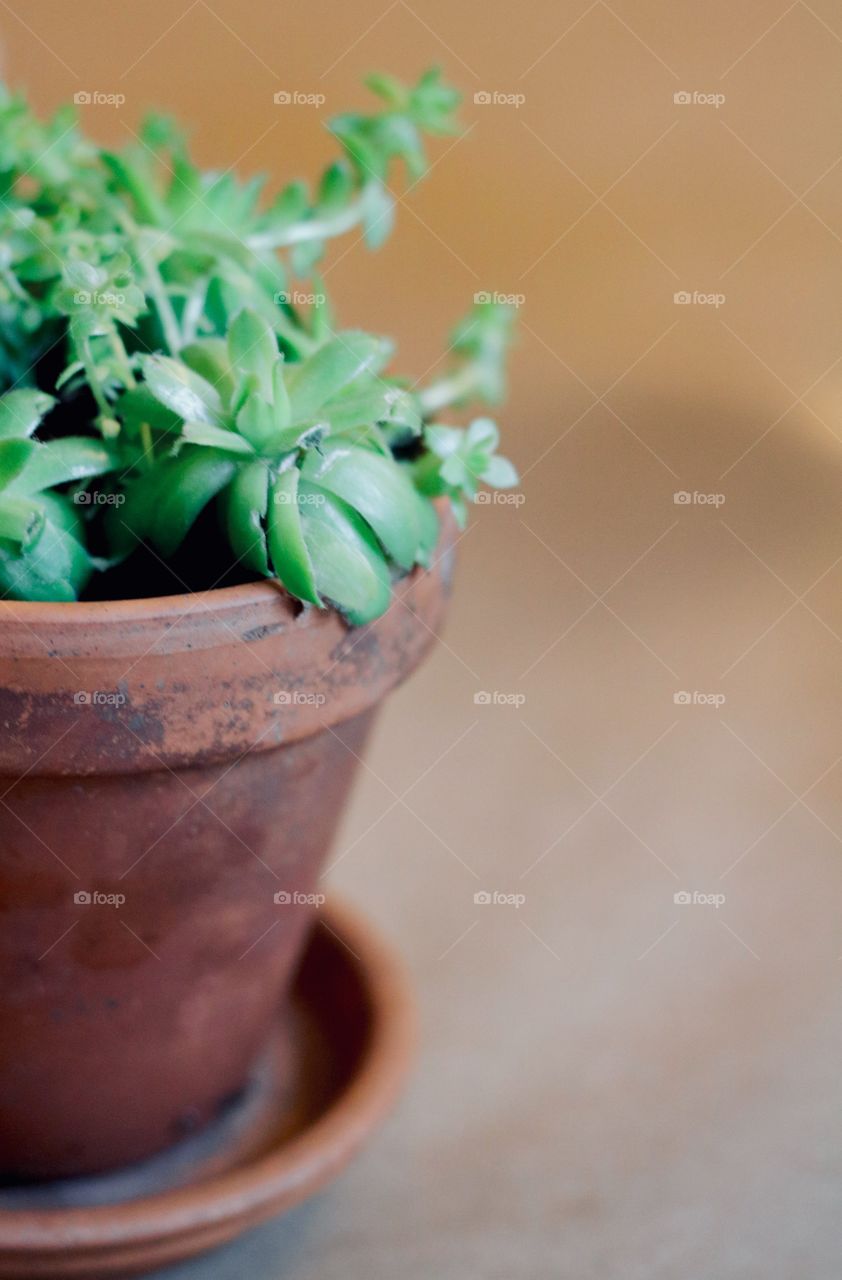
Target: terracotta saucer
[{"x": 343, "y": 1046}]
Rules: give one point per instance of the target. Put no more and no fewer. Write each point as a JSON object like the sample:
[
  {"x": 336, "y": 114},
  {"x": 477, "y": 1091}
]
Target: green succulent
[
  {"x": 300, "y": 456},
  {"x": 154, "y": 363},
  {"x": 458, "y": 461},
  {"x": 42, "y": 543}
]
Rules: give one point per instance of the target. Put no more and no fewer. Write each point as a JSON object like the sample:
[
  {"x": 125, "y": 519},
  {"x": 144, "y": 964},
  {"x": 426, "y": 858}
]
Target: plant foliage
[{"x": 155, "y": 362}]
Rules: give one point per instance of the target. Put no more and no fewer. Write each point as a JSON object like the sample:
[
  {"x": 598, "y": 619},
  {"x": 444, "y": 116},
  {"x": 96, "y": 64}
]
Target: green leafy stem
[{"x": 155, "y": 359}]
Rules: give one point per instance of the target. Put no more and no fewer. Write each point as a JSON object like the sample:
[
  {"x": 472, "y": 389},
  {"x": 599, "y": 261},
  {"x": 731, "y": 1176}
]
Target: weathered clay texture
[{"x": 190, "y": 755}]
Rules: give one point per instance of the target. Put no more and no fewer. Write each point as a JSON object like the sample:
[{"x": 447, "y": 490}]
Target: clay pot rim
[
  {"x": 263, "y": 592},
  {"x": 151, "y": 608},
  {"x": 146, "y": 608},
  {"x": 117, "y": 629},
  {"x": 203, "y": 1214},
  {"x": 202, "y": 671}
]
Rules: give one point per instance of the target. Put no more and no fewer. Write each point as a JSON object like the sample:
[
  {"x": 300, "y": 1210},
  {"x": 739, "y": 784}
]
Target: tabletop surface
[{"x": 613, "y": 1082}]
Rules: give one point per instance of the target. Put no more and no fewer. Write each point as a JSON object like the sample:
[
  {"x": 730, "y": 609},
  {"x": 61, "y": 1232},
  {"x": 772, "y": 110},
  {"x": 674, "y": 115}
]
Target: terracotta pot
[{"x": 171, "y": 775}]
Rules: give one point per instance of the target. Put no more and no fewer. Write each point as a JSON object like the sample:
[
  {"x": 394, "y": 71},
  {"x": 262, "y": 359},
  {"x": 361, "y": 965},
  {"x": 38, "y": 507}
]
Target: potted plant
[{"x": 226, "y": 531}]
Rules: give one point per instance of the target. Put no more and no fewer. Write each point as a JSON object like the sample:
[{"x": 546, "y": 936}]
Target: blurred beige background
[{"x": 614, "y": 1083}]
